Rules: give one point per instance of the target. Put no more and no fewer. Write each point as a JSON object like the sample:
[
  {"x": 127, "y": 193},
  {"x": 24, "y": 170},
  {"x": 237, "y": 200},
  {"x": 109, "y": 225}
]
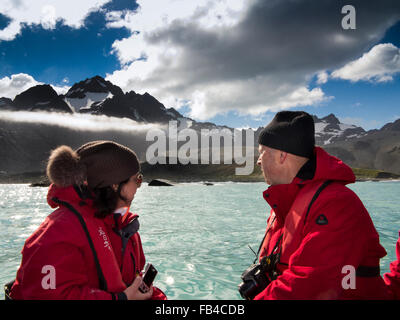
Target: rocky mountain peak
[
  {"x": 5, "y": 103},
  {"x": 90, "y": 92},
  {"x": 392, "y": 126},
  {"x": 40, "y": 97},
  {"x": 35, "y": 94},
  {"x": 329, "y": 129},
  {"x": 139, "y": 107},
  {"x": 331, "y": 119},
  {"x": 96, "y": 84}
]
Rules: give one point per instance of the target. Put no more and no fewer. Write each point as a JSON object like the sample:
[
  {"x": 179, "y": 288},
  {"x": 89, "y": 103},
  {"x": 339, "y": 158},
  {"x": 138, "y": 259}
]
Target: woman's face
[{"x": 129, "y": 189}]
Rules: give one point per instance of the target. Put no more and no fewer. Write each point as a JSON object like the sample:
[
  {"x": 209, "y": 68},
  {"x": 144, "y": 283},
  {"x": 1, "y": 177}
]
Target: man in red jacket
[{"x": 320, "y": 241}]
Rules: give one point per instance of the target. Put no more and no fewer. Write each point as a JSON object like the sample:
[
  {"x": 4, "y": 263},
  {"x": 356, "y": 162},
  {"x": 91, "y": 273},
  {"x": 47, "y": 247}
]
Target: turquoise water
[{"x": 195, "y": 235}]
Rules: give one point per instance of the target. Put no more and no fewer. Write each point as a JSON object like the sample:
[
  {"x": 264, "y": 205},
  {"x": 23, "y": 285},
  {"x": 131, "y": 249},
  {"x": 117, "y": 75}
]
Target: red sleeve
[
  {"x": 158, "y": 294},
  {"x": 68, "y": 269},
  {"x": 392, "y": 278},
  {"x": 315, "y": 268}
]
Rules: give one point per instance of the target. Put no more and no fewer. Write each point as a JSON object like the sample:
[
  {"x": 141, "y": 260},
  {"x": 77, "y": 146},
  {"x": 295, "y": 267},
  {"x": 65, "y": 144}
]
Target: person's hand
[{"x": 133, "y": 292}]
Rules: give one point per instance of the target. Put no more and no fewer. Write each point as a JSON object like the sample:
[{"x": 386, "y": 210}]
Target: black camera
[{"x": 258, "y": 276}]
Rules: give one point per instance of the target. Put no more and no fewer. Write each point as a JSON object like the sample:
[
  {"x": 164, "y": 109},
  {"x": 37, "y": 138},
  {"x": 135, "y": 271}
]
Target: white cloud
[
  {"x": 151, "y": 16},
  {"x": 248, "y": 97},
  {"x": 45, "y": 13},
  {"x": 76, "y": 121},
  {"x": 366, "y": 124},
  {"x": 248, "y": 57},
  {"x": 377, "y": 65},
  {"x": 167, "y": 74},
  {"x": 322, "y": 77},
  {"x": 352, "y": 120},
  {"x": 10, "y": 87},
  {"x": 17, "y": 83},
  {"x": 251, "y": 97},
  {"x": 49, "y": 17}
]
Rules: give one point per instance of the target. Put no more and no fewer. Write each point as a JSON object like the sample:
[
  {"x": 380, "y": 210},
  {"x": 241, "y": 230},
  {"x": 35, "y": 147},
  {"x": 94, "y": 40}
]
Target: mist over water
[
  {"x": 76, "y": 121},
  {"x": 195, "y": 235}
]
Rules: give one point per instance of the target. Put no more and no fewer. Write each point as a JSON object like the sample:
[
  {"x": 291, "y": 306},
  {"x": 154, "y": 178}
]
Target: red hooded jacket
[
  {"x": 60, "y": 245},
  {"x": 321, "y": 249},
  {"x": 392, "y": 278}
]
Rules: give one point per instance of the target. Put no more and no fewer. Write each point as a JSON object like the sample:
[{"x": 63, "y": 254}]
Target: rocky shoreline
[{"x": 191, "y": 173}]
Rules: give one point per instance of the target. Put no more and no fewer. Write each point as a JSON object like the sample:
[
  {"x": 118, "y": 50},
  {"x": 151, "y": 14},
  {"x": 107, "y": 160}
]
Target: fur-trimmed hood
[
  {"x": 97, "y": 163},
  {"x": 64, "y": 168}
]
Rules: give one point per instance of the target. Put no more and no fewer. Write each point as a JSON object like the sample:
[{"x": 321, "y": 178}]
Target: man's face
[{"x": 268, "y": 162}]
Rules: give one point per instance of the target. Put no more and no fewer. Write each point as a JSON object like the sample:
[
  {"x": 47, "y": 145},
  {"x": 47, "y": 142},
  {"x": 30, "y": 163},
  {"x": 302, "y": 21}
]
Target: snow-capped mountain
[
  {"x": 96, "y": 96},
  {"x": 329, "y": 129},
  {"x": 25, "y": 145},
  {"x": 100, "y": 97},
  {"x": 82, "y": 95}
]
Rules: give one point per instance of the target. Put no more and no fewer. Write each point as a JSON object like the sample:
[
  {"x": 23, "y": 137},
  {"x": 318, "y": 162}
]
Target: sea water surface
[{"x": 197, "y": 236}]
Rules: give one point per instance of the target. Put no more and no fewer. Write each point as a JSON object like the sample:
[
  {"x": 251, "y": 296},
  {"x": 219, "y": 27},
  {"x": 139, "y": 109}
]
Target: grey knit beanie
[{"x": 100, "y": 163}]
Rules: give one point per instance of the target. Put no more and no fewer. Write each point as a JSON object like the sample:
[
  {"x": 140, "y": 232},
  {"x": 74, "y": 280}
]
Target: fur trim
[{"x": 64, "y": 168}]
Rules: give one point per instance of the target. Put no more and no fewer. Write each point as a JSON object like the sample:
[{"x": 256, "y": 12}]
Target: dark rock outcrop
[
  {"x": 135, "y": 106},
  {"x": 40, "y": 97},
  {"x": 160, "y": 183},
  {"x": 6, "y": 104},
  {"x": 392, "y": 126}
]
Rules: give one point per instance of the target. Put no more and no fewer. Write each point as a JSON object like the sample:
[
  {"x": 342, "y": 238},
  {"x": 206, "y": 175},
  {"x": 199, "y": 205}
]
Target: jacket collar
[
  {"x": 82, "y": 201},
  {"x": 321, "y": 167},
  {"x": 280, "y": 197},
  {"x": 71, "y": 194},
  {"x": 122, "y": 217}
]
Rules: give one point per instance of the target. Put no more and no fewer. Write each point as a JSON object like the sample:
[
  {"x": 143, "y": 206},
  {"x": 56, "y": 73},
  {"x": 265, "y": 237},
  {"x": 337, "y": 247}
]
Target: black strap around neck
[
  {"x": 102, "y": 280},
  {"x": 322, "y": 187},
  {"x": 317, "y": 193}
]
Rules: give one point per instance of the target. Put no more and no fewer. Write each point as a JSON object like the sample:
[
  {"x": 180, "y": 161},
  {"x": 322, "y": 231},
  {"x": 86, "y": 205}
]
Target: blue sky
[
  {"x": 213, "y": 62},
  {"x": 63, "y": 54}
]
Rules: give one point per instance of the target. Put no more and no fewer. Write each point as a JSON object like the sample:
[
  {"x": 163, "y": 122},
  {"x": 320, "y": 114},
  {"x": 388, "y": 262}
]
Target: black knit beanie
[
  {"x": 290, "y": 131},
  {"x": 100, "y": 163}
]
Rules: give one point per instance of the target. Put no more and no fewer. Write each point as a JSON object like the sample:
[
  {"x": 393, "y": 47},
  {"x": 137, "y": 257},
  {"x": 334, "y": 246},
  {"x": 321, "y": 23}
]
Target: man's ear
[{"x": 282, "y": 157}]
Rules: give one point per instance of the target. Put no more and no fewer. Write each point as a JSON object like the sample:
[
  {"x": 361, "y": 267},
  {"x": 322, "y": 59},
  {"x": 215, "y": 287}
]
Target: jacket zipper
[{"x": 134, "y": 264}]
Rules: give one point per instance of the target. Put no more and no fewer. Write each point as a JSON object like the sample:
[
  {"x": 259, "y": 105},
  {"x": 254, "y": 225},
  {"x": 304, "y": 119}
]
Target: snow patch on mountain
[
  {"x": 89, "y": 98},
  {"x": 319, "y": 127},
  {"x": 184, "y": 123},
  {"x": 329, "y": 129}
]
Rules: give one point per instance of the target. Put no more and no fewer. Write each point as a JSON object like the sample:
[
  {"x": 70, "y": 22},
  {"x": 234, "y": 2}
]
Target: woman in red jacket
[{"x": 88, "y": 248}]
